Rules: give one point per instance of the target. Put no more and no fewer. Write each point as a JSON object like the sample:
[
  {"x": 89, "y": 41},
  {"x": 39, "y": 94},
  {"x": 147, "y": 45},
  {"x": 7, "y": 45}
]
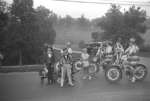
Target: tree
[
  {"x": 28, "y": 30},
  {"x": 81, "y": 44},
  {"x": 45, "y": 23},
  {"x": 4, "y": 19},
  {"x": 124, "y": 25},
  {"x": 82, "y": 22},
  {"x": 95, "y": 36},
  {"x": 3, "y": 14}
]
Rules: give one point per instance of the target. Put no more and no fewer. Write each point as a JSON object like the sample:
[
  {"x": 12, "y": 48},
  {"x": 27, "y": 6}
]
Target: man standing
[{"x": 66, "y": 62}]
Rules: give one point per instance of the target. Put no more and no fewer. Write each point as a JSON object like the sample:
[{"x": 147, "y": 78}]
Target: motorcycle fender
[{"x": 109, "y": 66}]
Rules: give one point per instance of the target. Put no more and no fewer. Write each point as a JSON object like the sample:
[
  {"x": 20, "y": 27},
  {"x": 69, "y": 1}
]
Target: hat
[
  {"x": 68, "y": 43},
  {"x": 84, "y": 49},
  {"x": 132, "y": 39}
]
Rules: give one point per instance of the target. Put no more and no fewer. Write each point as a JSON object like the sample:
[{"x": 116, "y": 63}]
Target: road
[{"x": 27, "y": 87}]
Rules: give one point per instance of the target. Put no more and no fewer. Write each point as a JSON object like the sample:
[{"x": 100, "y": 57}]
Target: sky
[{"x": 89, "y": 10}]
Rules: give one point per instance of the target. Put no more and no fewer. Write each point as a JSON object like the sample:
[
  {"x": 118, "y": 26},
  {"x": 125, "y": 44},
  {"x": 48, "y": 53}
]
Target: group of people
[
  {"x": 65, "y": 62},
  {"x": 118, "y": 50},
  {"x": 66, "y": 59}
]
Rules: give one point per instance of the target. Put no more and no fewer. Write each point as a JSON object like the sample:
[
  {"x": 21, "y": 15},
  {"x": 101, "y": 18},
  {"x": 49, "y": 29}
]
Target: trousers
[{"x": 66, "y": 70}]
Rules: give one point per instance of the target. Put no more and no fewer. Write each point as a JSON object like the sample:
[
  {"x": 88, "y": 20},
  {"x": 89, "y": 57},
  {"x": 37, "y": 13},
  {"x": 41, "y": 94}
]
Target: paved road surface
[{"x": 27, "y": 87}]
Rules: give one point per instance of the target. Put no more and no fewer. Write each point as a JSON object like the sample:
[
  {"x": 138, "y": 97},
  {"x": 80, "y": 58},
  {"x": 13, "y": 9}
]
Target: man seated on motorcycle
[
  {"x": 132, "y": 49},
  {"x": 118, "y": 50},
  {"x": 108, "y": 52},
  {"x": 66, "y": 62},
  {"x": 131, "y": 53}
]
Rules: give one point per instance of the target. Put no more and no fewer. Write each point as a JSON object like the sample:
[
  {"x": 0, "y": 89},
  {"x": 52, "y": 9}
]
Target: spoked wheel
[
  {"x": 113, "y": 74},
  {"x": 140, "y": 72},
  {"x": 92, "y": 68},
  {"x": 78, "y": 65}
]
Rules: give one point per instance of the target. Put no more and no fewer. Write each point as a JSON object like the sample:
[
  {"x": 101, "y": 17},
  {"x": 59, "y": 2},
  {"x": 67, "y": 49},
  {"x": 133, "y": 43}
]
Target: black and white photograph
[{"x": 74, "y": 50}]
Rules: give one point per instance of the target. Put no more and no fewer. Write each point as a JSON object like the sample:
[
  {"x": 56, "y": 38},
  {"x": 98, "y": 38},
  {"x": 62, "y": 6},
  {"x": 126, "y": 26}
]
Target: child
[{"x": 85, "y": 63}]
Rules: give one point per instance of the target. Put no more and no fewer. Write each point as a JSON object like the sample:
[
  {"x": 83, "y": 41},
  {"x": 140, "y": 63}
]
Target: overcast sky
[{"x": 89, "y": 10}]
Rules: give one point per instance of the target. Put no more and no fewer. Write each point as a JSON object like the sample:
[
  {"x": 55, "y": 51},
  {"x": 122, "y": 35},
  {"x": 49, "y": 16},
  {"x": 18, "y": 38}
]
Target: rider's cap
[
  {"x": 132, "y": 39},
  {"x": 84, "y": 49},
  {"x": 119, "y": 39}
]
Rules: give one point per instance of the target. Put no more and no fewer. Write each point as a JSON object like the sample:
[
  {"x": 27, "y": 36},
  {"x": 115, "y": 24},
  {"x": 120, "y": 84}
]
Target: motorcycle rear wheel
[
  {"x": 93, "y": 68},
  {"x": 141, "y": 72}
]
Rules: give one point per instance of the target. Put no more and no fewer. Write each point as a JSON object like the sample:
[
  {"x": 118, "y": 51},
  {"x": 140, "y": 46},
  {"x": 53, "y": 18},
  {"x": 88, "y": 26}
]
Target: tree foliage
[
  {"x": 26, "y": 33},
  {"x": 4, "y": 18},
  {"x": 124, "y": 25},
  {"x": 96, "y": 36}
]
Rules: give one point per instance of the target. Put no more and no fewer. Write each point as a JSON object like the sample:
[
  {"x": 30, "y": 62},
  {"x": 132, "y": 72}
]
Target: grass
[{"x": 23, "y": 68}]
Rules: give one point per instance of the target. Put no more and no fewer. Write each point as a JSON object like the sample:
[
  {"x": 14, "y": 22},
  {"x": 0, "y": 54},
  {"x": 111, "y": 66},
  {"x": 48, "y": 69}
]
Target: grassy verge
[{"x": 24, "y": 68}]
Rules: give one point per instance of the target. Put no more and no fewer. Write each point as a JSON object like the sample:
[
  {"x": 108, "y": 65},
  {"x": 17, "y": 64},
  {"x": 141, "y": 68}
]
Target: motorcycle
[
  {"x": 93, "y": 66},
  {"x": 134, "y": 71}
]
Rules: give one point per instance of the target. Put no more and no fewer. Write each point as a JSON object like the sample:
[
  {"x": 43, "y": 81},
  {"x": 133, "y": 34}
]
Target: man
[
  {"x": 118, "y": 50},
  {"x": 50, "y": 63},
  {"x": 131, "y": 51},
  {"x": 109, "y": 48},
  {"x": 66, "y": 62},
  {"x": 133, "y": 48}
]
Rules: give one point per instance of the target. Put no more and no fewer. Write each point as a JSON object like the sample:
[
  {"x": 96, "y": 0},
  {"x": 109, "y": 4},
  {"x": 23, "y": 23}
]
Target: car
[{"x": 92, "y": 47}]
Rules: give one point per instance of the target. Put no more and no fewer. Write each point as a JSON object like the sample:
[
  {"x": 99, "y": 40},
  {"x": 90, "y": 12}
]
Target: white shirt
[
  {"x": 69, "y": 50},
  {"x": 119, "y": 47},
  {"x": 132, "y": 49},
  {"x": 84, "y": 56},
  {"x": 108, "y": 49}
]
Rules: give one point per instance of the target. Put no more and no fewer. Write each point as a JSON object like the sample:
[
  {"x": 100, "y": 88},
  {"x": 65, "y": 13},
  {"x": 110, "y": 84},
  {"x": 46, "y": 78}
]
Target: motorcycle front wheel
[
  {"x": 93, "y": 68},
  {"x": 140, "y": 72},
  {"x": 78, "y": 65},
  {"x": 113, "y": 74}
]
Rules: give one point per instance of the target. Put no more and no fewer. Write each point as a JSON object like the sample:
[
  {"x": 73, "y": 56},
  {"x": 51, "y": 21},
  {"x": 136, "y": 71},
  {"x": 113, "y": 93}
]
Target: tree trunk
[{"x": 20, "y": 57}]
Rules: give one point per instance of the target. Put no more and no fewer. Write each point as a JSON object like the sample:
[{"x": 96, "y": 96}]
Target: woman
[{"x": 50, "y": 61}]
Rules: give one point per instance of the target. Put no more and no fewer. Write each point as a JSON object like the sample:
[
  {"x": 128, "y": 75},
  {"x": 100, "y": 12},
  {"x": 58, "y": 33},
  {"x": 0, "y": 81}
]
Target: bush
[{"x": 145, "y": 48}]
